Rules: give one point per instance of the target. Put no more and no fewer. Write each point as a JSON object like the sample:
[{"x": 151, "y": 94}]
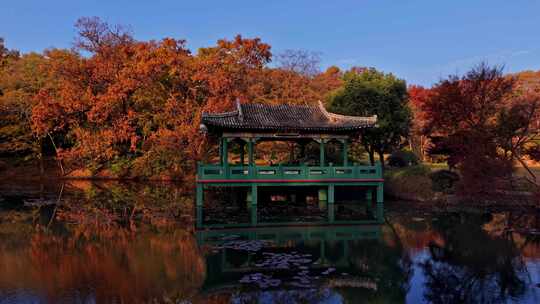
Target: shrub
[
  {"x": 443, "y": 180},
  {"x": 418, "y": 170},
  {"x": 411, "y": 183},
  {"x": 402, "y": 159},
  {"x": 120, "y": 166}
]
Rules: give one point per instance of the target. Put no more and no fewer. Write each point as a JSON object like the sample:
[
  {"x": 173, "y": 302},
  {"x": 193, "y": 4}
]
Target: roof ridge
[
  {"x": 239, "y": 110},
  {"x": 331, "y": 115},
  {"x": 279, "y": 105},
  {"x": 217, "y": 115}
]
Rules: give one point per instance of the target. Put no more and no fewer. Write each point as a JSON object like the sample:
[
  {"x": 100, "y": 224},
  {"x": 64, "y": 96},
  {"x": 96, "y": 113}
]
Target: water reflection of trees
[
  {"x": 107, "y": 267},
  {"x": 102, "y": 243},
  {"x": 470, "y": 265},
  {"x": 123, "y": 204},
  {"x": 389, "y": 266}
]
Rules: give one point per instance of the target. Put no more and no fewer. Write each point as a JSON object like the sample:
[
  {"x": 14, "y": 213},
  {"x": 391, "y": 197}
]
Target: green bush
[
  {"x": 443, "y": 180},
  {"x": 418, "y": 170},
  {"x": 120, "y": 166},
  {"x": 402, "y": 158},
  {"x": 410, "y": 183}
]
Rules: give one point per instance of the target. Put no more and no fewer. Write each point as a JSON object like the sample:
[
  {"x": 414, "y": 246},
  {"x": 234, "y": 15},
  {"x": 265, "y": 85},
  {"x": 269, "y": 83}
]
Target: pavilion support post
[
  {"x": 302, "y": 153},
  {"x": 322, "y": 253},
  {"x": 199, "y": 201},
  {"x": 323, "y": 198},
  {"x": 250, "y": 152},
  {"x": 345, "y": 152},
  {"x": 254, "y": 202},
  {"x": 242, "y": 154},
  {"x": 200, "y": 194},
  {"x": 225, "y": 156},
  {"x": 331, "y": 200},
  {"x": 224, "y": 152},
  {"x": 321, "y": 154},
  {"x": 380, "y": 203},
  {"x": 369, "y": 202},
  {"x": 220, "y": 143},
  {"x": 345, "y": 250},
  {"x": 199, "y": 215}
]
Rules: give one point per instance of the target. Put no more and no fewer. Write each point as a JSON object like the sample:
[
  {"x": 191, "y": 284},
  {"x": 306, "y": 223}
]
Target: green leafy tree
[
  {"x": 21, "y": 77},
  {"x": 370, "y": 92}
]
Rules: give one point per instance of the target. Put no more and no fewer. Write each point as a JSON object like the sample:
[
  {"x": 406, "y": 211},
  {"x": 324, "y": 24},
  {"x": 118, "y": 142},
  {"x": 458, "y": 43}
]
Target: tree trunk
[
  {"x": 381, "y": 157},
  {"x": 40, "y": 156},
  {"x": 56, "y": 152},
  {"x": 371, "y": 157},
  {"x": 41, "y": 166},
  {"x": 422, "y": 150}
]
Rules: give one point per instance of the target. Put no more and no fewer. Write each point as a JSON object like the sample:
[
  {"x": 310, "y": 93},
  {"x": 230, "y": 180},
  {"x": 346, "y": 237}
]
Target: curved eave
[
  {"x": 286, "y": 128},
  {"x": 330, "y": 123}
]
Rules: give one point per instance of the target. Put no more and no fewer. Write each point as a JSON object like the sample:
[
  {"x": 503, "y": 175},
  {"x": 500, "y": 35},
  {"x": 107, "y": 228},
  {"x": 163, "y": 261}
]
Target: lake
[{"x": 111, "y": 242}]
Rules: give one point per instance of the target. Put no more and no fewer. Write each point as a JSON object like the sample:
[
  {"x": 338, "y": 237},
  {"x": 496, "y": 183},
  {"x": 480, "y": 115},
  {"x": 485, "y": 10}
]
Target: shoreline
[{"x": 505, "y": 200}]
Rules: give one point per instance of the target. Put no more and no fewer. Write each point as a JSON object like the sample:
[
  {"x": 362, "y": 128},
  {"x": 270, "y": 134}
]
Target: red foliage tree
[
  {"x": 418, "y": 97},
  {"x": 481, "y": 125}
]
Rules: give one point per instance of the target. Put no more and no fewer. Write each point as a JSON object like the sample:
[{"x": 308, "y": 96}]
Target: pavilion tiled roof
[{"x": 284, "y": 117}]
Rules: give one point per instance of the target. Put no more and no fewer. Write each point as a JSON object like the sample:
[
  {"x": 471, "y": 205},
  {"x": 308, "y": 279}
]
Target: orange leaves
[
  {"x": 226, "y": 71},
  {"x": 140, "y": 101},
  {"x": 418, "y": 97}
]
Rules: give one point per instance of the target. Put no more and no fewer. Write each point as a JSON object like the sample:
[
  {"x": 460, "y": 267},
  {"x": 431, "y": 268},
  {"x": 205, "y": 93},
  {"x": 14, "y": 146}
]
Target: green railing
[{"x": 292, "y": 173}]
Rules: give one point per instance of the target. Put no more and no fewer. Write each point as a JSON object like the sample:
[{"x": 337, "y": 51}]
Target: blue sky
[{"x": 420, "y": 41}]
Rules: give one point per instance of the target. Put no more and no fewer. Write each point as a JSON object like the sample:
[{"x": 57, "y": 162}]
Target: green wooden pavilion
[{"x": 306, "y": 126}]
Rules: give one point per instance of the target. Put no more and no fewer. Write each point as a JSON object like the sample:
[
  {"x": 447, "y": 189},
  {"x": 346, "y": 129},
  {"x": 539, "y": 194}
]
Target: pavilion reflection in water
[{"x": 292, "y": 257}]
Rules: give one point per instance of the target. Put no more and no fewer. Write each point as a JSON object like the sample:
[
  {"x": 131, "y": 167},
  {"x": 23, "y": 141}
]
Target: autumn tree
[
  {"x": 303, "y": 62},
  {"x": 134, "y": 106},
  {"x": 418, "y": 141},
  {"x": 282, "y": 85},
  {"x": 227, "y": 70},
  {"x": 326, "y": 82},
  {"x": 21, "y": 77},
  {"x": 370, "y": 92},
  {"x": 276, "y": 86},
  {"x": 481, "y": 125}
]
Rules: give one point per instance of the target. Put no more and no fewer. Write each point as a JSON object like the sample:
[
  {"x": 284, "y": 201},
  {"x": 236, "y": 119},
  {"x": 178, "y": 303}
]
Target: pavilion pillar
[
  {"x": 200, "y": 194},
  {"x": 369, "y": 201},
  {"x": 253, "y": 207},
  {"x": 380, "y": 202},
  {"x": 242, "y": 154},
  {"x": 250, "y": 152},
  {"x": 199, "y": 215},
  {"x": 331, "y": 200},
  {"x": 322, "y": 253},
  {"x": 224, "y": 151},
  {"x": 302, "y": 155},
  {"x": 199, "y": 200},
  {"x": 323, "y": 198},
  {"x": 321, "y": 154},
  {"x": 345, "y": 152}
]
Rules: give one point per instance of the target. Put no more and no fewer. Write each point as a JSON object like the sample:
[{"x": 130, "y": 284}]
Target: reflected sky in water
[{"x": 137, "y": 243}]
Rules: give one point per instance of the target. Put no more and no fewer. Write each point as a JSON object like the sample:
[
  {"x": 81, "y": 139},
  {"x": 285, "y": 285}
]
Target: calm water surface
[{"x": 82, "y": 242}]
